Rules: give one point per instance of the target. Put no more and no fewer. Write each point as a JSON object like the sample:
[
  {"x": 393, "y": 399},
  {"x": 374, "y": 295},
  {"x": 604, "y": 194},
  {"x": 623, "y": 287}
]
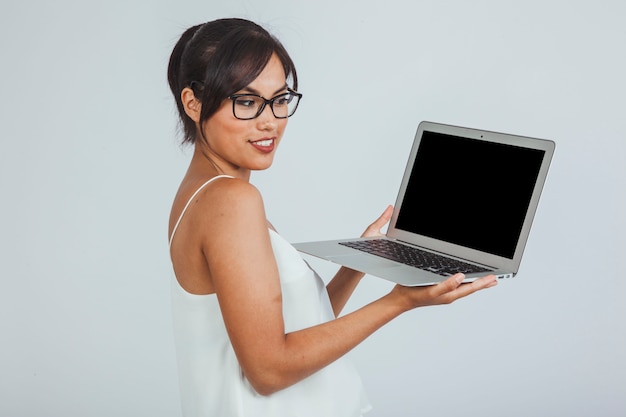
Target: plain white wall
[{"x": 89, "y": 163}]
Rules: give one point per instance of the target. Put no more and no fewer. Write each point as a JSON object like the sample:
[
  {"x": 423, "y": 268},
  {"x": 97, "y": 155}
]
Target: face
[{"x": 240, "y": 146}]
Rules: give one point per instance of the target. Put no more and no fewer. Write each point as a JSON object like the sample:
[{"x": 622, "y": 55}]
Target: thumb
[{"x": 374, "y": 228}]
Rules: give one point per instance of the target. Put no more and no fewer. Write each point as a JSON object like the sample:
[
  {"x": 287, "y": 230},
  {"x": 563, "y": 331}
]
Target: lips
[{"x": 264, "y": 145}]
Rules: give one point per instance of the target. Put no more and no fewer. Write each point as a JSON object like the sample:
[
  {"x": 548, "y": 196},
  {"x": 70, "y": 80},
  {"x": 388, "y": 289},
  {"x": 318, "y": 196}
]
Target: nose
[{"x": 266, "y": 120}]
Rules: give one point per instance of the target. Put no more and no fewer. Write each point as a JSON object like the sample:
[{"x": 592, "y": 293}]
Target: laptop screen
[{"x": 470, "y": 192}]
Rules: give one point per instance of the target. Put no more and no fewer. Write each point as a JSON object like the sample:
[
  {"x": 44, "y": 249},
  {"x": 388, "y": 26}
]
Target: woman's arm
[
  {"x": 341, "y": 287},
  {"x": 343, "y": 284},
  {"x": 245, "y": 277}
]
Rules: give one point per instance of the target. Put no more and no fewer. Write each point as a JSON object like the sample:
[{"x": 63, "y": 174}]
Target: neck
[{"x": 203, "y": 164}]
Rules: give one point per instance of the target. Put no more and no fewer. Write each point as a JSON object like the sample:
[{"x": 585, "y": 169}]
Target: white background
[{"x": 90, "y": 161}]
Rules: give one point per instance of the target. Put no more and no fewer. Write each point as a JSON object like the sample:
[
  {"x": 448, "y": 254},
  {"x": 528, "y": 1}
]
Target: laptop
[{"x": 467, "y": 199}]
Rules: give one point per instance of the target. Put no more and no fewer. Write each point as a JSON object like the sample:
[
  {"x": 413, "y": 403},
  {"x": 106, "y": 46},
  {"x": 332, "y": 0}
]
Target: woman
[{"x": 256, "y": 330}]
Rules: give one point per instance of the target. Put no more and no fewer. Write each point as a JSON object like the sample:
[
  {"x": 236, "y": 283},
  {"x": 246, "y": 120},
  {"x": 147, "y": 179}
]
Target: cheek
[
  {"x": 222, "y": 124},
  {"x": 282, "y": 125}
]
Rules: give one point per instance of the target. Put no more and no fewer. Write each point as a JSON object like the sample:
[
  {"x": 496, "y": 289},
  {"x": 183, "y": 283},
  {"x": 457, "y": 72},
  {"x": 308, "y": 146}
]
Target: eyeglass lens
[{"x": 251, "y": 106}]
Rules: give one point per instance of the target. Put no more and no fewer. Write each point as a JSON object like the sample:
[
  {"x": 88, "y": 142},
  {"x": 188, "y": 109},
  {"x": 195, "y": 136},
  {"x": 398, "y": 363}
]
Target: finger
[
  {"x": 379, "y": 223},
  {"x": 448, "y": 286},
  {"x": 453, "y": 288},
  {"x": 383, "y": 219},
  {"x": 471, "y": 287}
]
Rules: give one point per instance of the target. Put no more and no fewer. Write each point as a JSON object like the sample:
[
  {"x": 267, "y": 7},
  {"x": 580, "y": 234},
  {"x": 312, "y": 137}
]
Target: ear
[{"x": 191, "y": 104}]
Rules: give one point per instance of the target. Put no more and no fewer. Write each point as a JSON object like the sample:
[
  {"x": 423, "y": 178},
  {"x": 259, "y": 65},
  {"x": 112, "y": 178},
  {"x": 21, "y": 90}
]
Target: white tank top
[{"x": 211, "y": 380}]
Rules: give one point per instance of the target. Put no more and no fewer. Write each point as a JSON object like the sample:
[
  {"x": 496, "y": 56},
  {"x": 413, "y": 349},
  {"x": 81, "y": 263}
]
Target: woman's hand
[
  {"x": 374, "y": 229},
  {"x": 445, "y": 292},
  {"x": 341, "y": 287}
]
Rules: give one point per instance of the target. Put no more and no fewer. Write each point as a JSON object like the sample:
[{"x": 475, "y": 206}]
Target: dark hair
[{"x": 224, "y": 56}]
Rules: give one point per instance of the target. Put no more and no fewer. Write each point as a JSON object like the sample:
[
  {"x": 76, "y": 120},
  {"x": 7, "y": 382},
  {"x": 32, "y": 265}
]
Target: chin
[{"x": 262, "y": 166}]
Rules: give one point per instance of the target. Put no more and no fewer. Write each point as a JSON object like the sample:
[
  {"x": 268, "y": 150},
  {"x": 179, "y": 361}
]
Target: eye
[
  {"x": 283, "y": 100},
  {"x": 245, "y": 102}
]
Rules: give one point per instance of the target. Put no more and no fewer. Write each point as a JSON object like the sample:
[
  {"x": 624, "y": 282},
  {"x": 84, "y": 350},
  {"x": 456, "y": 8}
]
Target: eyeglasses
[{"x": 250, "y": 106}]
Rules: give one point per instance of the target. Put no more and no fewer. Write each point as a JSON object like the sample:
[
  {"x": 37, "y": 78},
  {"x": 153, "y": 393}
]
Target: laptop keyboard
[{"x": 415, "y": 257}]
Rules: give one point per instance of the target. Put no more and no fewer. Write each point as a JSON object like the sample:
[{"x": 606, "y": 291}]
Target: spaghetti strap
[{"x": 182, "y": 213}]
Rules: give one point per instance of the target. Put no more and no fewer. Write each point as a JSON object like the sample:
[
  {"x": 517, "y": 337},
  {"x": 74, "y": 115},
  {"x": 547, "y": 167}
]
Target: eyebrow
[{"x": 253, "y": 91}]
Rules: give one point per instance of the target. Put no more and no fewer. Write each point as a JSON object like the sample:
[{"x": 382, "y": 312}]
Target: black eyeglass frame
[{"x": 266, "y": 101}]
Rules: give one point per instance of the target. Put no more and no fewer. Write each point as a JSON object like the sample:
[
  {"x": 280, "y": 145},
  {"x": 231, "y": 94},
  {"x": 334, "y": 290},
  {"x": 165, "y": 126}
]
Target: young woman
[{"x": 256, "y": 330}]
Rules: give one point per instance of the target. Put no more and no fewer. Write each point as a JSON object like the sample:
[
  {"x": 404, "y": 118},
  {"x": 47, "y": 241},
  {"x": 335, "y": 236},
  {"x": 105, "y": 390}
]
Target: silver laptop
[{"x": 466, "y": 204}]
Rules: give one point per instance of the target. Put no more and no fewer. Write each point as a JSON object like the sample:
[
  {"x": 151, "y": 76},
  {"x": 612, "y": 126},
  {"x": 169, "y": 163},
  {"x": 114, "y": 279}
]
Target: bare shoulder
[
  {"x": 231, "y": 198},
  {"x": 221, "y": 222},
  {"x": 235, "y": 241},
  {"x": 227, "y": 209},
  {"x": 234, "y": 188},
  {"x": 220, "y": 205}
]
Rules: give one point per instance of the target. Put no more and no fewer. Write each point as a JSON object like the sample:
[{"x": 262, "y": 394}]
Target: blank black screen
[{"x": 470, "y": 192}]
